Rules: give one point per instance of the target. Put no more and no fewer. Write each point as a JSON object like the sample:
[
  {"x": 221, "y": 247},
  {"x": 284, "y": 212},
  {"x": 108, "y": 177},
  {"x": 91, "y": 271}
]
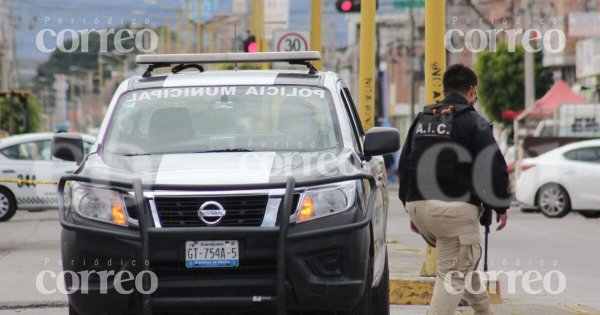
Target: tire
[
  {"x": 364, "y": 305},
  {"x": 553, "y": 201},
  {"x": 8, "y": 205},
  {"x": 73, "y": 311},
  {"x": 380, "y": 299},
  {"x": 590, "y": 214}
]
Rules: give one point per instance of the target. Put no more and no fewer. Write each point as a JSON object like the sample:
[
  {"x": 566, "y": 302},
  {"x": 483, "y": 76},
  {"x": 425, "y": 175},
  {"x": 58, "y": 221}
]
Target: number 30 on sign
[{"x": 291, "y": 40}]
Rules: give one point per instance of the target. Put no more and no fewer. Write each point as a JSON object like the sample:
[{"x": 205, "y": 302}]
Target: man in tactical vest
[{"x": 450, "y": 166}]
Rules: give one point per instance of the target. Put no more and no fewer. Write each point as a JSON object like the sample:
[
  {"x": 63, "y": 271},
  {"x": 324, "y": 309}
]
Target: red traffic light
[
  {"x": 346, "y": 6},
  {"x": 250, "y": 44},
  {"x": 351, "y": 6},
  {"x": 252, "y": 47}
]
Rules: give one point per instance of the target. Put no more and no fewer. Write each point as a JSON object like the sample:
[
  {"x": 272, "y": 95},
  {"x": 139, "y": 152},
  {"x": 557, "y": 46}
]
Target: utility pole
[
  {"x": 188, "y": 27},
  {"x": 101, "y": 77},
  {"x": 179, "y": 31},
  {"x": 529, "y": 64},
  {"x": 411, "y": 61},
  {"x": 316, "y": 17},
  {"x": 435, "y": 65},
  {"x": 253, "y": 17},
  {"x": 8, "y": 74},
  {"x": 198, "y": 26},
  {"x": 260, "y": 29},
  {"x": 168, "y": 31},
  {"x": 366, "y": 81},
  {"x": 163, "y": 42}
]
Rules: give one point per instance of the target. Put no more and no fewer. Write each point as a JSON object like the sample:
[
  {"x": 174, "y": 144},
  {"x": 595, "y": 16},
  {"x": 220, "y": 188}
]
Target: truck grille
[{"x": 183, "y": 211}]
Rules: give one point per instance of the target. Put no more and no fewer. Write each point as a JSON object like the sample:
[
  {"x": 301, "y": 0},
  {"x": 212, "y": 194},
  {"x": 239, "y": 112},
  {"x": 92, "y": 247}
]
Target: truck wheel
[
  {"x": 72, "y": 311},
  {"x": 365, "y": 303},
  {"x": 381, "y": 294},
  {"x": 8, "y": 205}
]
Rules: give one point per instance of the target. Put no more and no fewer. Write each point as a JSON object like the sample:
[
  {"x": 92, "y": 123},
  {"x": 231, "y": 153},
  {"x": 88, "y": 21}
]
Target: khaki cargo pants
[{"x": 453, "y": 227}]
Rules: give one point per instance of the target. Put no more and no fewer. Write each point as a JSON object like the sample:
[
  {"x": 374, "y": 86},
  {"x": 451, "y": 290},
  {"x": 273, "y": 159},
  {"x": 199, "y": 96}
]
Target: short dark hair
[{"x": 459, "y": 78}]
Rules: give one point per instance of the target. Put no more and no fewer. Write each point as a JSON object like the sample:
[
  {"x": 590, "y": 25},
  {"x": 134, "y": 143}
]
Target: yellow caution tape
[{"x": 28, "y": 181}]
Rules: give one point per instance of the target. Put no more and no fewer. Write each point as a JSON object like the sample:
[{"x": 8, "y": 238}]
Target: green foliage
[
  {"x": 70, "y": 63},
  {"x": 16, "y": 117},
  {"x": 502, "y": 80}
]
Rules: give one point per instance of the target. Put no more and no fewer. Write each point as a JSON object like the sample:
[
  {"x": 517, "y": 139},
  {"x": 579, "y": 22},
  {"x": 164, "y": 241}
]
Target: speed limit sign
[{"x": 291, "y": 40}]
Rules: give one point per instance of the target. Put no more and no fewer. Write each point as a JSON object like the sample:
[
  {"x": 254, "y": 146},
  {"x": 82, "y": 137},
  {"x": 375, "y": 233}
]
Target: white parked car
[
  {"x": 564, "y": 179},
  {"x": 28, "y": 157}
]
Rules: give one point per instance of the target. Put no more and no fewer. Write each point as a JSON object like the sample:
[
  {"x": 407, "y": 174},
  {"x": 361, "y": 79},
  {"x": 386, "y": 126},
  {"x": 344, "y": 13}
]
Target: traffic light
[
  {"x": 250, "y": 44},
  {"x": 350, "y": 6}
]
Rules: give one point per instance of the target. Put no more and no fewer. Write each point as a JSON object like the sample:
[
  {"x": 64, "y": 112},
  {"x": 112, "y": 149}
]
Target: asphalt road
[{"x": 30, "y": 243}]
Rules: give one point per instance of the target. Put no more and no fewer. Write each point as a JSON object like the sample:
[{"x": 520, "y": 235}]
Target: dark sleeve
[
  {"x": 402, "y": 162},
  {"x": 489, "y": 168}
]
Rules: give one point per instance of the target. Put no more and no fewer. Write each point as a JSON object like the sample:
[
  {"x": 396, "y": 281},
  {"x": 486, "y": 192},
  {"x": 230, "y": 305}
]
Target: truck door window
[{"x": 355, "y": 124}]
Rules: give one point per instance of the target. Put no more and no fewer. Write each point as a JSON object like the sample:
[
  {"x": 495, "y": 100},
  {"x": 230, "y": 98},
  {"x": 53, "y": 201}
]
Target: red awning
[
  {"x": 559, "y": 93},
  {"x": 511, "y": 115}
]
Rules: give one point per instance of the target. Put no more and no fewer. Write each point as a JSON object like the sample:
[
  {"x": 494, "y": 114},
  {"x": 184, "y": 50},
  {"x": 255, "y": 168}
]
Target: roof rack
[{"x": 183, "y": 60}]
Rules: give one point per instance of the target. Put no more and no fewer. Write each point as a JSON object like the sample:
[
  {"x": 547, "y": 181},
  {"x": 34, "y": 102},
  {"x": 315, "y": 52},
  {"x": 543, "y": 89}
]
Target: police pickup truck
[{"x": 252, "y": 191}]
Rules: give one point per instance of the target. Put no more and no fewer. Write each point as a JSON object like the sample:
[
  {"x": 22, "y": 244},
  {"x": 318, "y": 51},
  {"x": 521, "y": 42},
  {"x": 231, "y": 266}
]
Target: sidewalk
[
  {"x": 405, "y": 262},
  {"x": 503, "y": 309}
]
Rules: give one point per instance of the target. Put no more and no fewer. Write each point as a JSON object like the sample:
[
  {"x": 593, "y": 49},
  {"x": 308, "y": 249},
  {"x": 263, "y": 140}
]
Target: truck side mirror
[
  {"x": 68, "y": 146},
  {"x": 381, "y": 140}
]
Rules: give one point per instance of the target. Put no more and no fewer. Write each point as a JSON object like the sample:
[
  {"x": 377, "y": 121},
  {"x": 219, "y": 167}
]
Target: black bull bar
[{"x": 284, "y": 211}]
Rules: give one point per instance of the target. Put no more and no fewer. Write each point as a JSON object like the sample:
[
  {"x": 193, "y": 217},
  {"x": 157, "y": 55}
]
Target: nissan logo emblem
[{"x": 211, "y": 212}]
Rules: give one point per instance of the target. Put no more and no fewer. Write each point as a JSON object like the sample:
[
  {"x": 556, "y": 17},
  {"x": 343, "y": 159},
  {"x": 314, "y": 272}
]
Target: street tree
[
  {"x": 19, "y": 114},
  {"x": 502, "y": 80}
]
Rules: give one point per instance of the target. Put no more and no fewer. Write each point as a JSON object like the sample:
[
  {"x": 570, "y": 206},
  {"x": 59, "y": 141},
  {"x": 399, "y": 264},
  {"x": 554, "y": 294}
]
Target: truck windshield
[{"x": 223, "y": 119}]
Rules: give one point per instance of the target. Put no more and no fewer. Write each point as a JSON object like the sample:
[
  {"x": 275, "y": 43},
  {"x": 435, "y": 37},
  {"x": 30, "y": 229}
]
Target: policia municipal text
[{"x": 451, "y": 166}]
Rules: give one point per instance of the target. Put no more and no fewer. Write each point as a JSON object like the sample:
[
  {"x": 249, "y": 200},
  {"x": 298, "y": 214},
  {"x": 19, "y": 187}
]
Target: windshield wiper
[{"x": 225, "y": 150}]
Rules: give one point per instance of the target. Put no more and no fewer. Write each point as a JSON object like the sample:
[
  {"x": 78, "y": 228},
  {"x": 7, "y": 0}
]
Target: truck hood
[{"x": 230, "y": 168}]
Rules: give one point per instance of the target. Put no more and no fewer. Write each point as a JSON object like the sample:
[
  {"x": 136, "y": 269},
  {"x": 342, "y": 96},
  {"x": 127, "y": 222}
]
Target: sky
[{"x": 32, "y": 16}]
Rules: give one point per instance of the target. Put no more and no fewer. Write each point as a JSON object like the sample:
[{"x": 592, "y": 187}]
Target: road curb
[{"x": 418, "y": 291}]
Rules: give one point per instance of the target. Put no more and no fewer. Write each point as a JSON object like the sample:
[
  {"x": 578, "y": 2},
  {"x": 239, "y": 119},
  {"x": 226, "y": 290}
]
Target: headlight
[
  {"x": 99, "y": 204},
  {"x": 326, "y": 200}
]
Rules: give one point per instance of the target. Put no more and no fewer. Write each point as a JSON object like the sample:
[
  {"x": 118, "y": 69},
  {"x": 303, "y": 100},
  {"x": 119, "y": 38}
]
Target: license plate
[{"x": 211, "y": 254}]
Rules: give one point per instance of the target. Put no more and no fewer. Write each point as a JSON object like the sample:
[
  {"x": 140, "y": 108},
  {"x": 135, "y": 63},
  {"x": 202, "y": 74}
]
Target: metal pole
[
  {"x": 253, "y": 17},
  {"x": 261, "y": 40},
  {"x": 163, "y": 41},
  {"x": 435, "y": 65},
  {"x": 366, "y": 80},
  {"x": 529, "y": 64},
  {"x": 411, "y": 60},
  {"x": 179, "y": 31},
  {"x": 101, "y": 77},
  {"x": 435, "y": 51},
  {"x": 188, "y": 27},
  {"x": 198, "y": 26},
  {"x": 168, "y": 37},
  {"x": 316, "y": 17}
]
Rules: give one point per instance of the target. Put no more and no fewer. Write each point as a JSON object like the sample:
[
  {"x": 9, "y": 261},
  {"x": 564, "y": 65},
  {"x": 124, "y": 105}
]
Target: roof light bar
[{"x": 291, "y": 57}]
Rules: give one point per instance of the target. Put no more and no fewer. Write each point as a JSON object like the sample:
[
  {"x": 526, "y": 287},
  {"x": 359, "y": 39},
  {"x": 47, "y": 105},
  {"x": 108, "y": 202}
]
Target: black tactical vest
[{"x": 434, "y": 130}]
